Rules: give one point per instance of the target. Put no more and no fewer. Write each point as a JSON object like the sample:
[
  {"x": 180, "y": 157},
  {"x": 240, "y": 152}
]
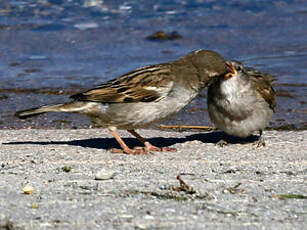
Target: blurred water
[{"x": 71, "y": 45}]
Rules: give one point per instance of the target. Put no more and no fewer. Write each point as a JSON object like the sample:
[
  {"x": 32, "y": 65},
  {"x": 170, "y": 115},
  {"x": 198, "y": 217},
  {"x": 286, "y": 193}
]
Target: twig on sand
[
  {"x": 183, "y": 187},
  {"x": 209, "y": 128}
]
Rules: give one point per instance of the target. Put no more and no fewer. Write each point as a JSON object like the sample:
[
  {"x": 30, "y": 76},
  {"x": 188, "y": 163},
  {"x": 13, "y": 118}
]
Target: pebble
[
  {"x": 105, "y": 175},
  {"x": 66, "y": 169},
  {"x": 34, "y": 206},
  {"x": 127, "y": 216},
  {"x": 28, "y": 189}
]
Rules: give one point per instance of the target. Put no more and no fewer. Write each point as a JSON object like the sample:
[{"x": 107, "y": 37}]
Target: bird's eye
[{"x": 239, "y": 68}]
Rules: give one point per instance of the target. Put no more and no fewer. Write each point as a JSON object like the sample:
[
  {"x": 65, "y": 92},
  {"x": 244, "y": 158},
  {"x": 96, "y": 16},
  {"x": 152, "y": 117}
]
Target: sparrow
[
  {"x": 143, "y": 97},
  {"x": 241, "y": 102}
]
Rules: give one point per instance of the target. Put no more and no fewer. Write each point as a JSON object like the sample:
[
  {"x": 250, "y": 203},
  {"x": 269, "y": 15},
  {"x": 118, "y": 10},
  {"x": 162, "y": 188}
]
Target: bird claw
[
  {"x": 134, "y": 151},
  {"x": 114, "y": 150},
  {"x": 143, "y": 150},
  {"x": 168, "y": 149},
  {"x": 162, "y": 149},
  {"x": 260, "y": 143},
  {"x": 221, "y": 143}
]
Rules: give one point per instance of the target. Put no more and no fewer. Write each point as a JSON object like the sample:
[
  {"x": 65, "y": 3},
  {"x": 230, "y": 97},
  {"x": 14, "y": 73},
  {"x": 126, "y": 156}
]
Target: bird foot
[
  {"x": 221, "y": 143},
  {"x": 134, "y": 151},
  {"x": 153, "y": 148},
  {"x": 168, "y": 149},
  {"x": 260, "y": 143},
  {"x": 143, "y": 150}
]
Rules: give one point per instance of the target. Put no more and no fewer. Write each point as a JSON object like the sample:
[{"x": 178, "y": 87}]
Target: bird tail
[{"x": 39, "y": 110}]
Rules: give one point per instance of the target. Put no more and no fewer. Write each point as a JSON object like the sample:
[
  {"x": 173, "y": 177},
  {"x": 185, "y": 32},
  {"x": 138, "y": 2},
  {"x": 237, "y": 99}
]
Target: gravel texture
[{"x": 235, "y": 187}]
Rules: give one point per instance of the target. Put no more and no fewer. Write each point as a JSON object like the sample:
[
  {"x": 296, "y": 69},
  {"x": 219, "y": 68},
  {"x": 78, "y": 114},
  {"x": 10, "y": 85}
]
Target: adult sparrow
[
  {"x": 143, "y": 97},
  {"x": 241, "y": 101}
]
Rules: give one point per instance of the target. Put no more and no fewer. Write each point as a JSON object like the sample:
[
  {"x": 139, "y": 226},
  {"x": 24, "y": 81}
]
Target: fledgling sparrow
[
  {"x": 143, "y": 97},
  {"x": 241, "y": 102}
]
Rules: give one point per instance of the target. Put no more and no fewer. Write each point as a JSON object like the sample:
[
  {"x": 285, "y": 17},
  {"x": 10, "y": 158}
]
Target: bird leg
[
  {"x": 148, "y": 145},
  {"x": 222, "y": 142},
  {"x": 125, "y": 148},
  {"x": 260, "y": 142}
]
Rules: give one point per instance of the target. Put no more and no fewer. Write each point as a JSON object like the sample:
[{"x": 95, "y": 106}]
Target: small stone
[
  {"x": 126, "y": 216},
  {"x": 140, "y": 226},
  {"x": 66, "y": 169},
  {"x": 28, "y": 189},
  {"x": 104, "y": 175},
  {"x": 34, "y": 206},
  {"x": 148, "y": 217},
  {"x": 161, "y": 35}
]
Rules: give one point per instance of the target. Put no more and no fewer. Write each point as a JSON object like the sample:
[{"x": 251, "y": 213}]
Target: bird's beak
[{"x": 231, "y": 69}]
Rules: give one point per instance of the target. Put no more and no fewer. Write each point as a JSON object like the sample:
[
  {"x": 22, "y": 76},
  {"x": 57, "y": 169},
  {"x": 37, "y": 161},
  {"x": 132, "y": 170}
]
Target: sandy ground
[{"x": 235, "y": 187}]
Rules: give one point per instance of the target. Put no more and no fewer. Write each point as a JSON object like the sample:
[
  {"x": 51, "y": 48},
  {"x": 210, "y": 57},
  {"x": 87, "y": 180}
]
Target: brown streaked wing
[
  {"x": 253, "y": 72},
  {"x": 150, "y": 83},
  {"x": 263, "y": 84}
]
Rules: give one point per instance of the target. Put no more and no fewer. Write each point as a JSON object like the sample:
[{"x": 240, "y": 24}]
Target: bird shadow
[{"x": 108, "y": 143}]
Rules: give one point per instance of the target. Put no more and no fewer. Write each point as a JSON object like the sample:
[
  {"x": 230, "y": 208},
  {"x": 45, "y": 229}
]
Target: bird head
[{"x": 234, "y": 68}]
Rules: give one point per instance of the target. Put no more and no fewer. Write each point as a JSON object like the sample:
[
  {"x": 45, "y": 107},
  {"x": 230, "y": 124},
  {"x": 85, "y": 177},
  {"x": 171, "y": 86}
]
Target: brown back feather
[
  {"x": 146, "y": 84},
  {"x": 263, "y": 84}
]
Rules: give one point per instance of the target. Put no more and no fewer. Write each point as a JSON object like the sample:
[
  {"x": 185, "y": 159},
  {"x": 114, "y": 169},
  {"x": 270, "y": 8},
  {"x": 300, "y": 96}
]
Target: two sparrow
[
  {"x": 240, "y": 100},
  {"x": 143, "y": 97}
]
